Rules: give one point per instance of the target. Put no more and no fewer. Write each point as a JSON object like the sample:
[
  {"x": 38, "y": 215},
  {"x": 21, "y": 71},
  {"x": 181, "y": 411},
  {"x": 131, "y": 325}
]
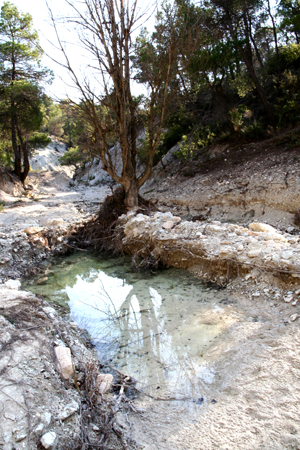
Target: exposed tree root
[{"x": 99, "y": 233}]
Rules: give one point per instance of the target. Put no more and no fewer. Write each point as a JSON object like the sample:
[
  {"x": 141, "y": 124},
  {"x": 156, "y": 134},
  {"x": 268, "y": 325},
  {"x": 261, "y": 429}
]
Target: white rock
[
  {"x": 226, "y": 251},
  {"x": 288, "y": 299},
  {"x": 254, "y": 252},
  {"x": 273, "y": 237},
  {"x": 20, "y": 435},
  {"x": 33, "y": 230},
  {"x": 39, "y": 428},
  {"x": 49, "y": 310},
  {"x": 68, "y": 410},
  {"x": 240, "y": 248},
  {"x": 64, "y": 362},
  {"x": 256, "y": 294},
  {"x": 288, "y": 254},
  {"x": 48, "y": 440},
  {"x": 13, "y": 284},
  {"x": 294, "y": 317},
  {"x": 104, "y": 382},
  {"x": 168, "y": 225},
  {"x": 46, "y": 418},
  {"x": 9, "y": 416},
  {"x": 297, "y": 292},
  {"x": 213, "y": 229},
  {"x": 261, "y": 227}
]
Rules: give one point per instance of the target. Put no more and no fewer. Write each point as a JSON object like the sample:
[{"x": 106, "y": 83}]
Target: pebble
[
  {"x": 256, "y": 294},
  {"x": 288, "y": 299},
  {"x": 46, "y": 418},
  {"x": 294, "y": 317},
  {"x": 68, "y": 411},
  {"x": 48, "y": 440}
]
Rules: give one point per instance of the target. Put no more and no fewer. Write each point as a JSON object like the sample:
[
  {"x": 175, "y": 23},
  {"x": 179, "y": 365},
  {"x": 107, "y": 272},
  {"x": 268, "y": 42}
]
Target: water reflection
[{"x": 155, "y": 329}]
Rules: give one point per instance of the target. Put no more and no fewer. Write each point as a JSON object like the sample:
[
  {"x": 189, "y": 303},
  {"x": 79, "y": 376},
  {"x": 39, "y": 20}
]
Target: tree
[
  {"x": 289, "y": 11},
  {"x": 113, "y": 113},
  {"x": 20, "y": 74},
  {"x": 234, "y": 17}
]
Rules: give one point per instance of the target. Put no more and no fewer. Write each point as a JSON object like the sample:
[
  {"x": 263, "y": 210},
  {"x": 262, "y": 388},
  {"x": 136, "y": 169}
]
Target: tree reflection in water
[{"x": 149, "y": 328}]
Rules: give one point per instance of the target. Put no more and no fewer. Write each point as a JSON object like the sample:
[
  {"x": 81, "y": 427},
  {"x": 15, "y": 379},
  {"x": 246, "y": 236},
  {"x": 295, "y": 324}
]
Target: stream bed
[{"x": 155, "y": 328}]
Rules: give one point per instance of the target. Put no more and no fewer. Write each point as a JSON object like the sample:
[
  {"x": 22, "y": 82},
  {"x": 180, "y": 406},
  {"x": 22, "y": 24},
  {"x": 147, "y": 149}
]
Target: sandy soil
[{"x": 252, "y": 399}]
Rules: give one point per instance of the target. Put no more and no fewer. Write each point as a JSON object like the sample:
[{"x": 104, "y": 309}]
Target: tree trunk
[
  {"x": 16, "y": 147},
  {"x": 258, "y": 87},
  {"x": 25, "y": 163},
  {"x": 131, "y": 193}
]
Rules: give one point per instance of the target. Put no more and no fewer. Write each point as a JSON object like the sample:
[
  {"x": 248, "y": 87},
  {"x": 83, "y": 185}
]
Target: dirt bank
[
  {"x": 36, "y": 224},
  {"x": 237, "y": 183}
]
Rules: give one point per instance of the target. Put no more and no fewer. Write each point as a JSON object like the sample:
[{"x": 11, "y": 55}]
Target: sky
[{"x": 62, "y": 85}]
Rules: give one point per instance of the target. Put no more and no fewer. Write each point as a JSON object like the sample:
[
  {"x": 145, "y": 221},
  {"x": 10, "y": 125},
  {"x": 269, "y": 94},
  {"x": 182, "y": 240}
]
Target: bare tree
[{"x": 115, "y": 114}]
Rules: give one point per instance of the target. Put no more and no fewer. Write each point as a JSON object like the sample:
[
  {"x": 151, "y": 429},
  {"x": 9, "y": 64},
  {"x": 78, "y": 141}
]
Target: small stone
[
  {"x": 273, "y": 237},
  {"x": 20, "y": 436},
  {"x": 294, "y": 317},
  {"x": 13, "y": 284},
  {"x": 33, "y": 230},
  {"x": 168, "y": 225},
  {"x": 240, "y": 248},
  {"x": 254, "y": 252},
  {"x": 297, "y": 292},
  {"x": 68, "y": 411},
  {"x": 48, "y": 440},
  {"x": 261, "y": 227},
  {"x": 56, "y": 222},
  {"x": 288, "y": 299},
  {"x": 295, "y": 303},
  {"x": 38, "y": 430},
  {"x": 104, "y": 382},
  {"x": 288, "y": 254},
  {"x": 64, "y": 364},
  {"x": 290, "y": 229},
  {"x": 256, "y": 294},
  {"x": 46, "y": 418}
]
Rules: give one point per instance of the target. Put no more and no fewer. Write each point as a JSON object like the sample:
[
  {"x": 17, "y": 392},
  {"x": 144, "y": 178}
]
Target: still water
[{"x": 155, "y": 328}]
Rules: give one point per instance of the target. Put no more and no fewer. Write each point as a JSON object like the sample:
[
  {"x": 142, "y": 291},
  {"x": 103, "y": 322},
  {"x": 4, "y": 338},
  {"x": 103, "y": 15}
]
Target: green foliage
[
  {"x": 289, "y": 11},
  {"x": 39, "y": 140},
  {"x": 73, "y": 156},
  {"x": 288, "y": 59},
  {"x": 2, "y": 204},
  {"x": 200, "y": 138},
  {"x": 54, "y": 118},
  {"x": 237, "y": 117},
  {"x": 287, "y": 105}
]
